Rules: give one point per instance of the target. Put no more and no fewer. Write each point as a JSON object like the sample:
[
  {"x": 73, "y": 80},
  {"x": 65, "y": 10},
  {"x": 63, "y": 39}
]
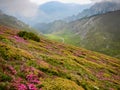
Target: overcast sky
[{"x": 28, "y": 8}]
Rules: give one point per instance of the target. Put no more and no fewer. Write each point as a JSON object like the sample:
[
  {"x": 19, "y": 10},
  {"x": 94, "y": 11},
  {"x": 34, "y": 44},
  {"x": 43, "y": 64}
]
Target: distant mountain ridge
[
  {"x": 98, "y": 33},
  {"x": 97, "y": 8},
  {"x": 47, "y": 28},
  {"x": 13, "y": 22},
  {"x": 54, "y": 10}
]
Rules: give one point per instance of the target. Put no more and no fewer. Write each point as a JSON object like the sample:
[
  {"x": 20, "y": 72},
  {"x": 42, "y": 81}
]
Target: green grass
[
  {"x": 5, "y": 78},
  {"x": 67, "y": 36},
  {"x": 60, "y": 84},
  {"x": 95, "y": 40},
  {"x": 54, "y": 37},
  {"x": 29, "y": 35},
  {"x": 56, "y": 65}
]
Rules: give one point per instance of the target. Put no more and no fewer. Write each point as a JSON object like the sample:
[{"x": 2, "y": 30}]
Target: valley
[
  {"x": 60, "y": 45},
  {"x": 98, "y": 33}
]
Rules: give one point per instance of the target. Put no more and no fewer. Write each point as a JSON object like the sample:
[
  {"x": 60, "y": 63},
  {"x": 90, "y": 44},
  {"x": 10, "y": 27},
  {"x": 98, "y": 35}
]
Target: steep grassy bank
[{"x": 50, "y": 65}]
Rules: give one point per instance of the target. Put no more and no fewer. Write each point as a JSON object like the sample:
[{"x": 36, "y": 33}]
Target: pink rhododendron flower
[
  {"x": 32, "y": 79},
  {"x": 1, "y": 32},
  {"x": 12, "y": 70},
  {"x": 31, "y": 87},
  {"x": 40, "y": 88},
  {"x": 22, "y": 87}
]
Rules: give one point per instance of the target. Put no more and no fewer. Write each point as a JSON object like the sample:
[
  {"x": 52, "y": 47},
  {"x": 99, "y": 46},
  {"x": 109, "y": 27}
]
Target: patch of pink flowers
[
  {"x": 22, "y": 87},
  {"x": 32, "y": 79},
  {"x": 111, "y": 89},
  {"x": 17, "y": 80},
  {"x": 13, "y": 71},
  {"x": 31, "y": 87},
  {"x": 1, "y": 32},
  {"x": 18, "y": 84},
  {"x": 100, "y": 75},
  {"x": 19, "y": 39}
]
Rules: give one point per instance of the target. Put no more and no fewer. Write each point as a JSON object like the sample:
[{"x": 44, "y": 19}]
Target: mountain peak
[{"x": 97, "y": 8}]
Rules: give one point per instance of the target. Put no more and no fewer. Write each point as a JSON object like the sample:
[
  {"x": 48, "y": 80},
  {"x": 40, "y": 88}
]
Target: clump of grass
[
  {"x": 60, "y": 84},
  {"x": 5, "y": 40},
  {"x": 11, "y": 53},
  {"x": 54, "y": 72},
  {"x": 4, "y": 85},
  {"x": 29, "y": 35},
  {"x": 4, "y": 77}
]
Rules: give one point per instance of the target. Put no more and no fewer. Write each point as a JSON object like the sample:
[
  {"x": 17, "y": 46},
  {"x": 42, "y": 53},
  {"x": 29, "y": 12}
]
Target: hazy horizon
[{"x": 29, "y": 8}]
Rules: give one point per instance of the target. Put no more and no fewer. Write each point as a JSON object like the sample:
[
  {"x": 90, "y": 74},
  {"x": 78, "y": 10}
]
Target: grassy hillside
[
  {"x": 54, "y": 37},
  {"x": 98, "y": 33},
  {"x": 47, "y": 65}
]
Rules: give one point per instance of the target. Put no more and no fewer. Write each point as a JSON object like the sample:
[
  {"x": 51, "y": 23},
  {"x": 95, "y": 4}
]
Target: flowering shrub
[
  {"x": 32, "y": 79},
  {"x": 22, "y": 87},
  {"x": 31, "y": 87},
  {"x": 1, "y": 32},
  {"x": 17, "y": 84}
]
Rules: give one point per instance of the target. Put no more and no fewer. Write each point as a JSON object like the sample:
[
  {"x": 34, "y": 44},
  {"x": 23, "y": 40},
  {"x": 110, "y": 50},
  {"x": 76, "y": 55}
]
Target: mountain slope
[
  {"x": 99, "y": 33},
  {"x": 97, "y": 8},
  {"x": 47, "y": 28},
  {"x": 49, "y": 65},
  {"x": 12, "y": 22}
]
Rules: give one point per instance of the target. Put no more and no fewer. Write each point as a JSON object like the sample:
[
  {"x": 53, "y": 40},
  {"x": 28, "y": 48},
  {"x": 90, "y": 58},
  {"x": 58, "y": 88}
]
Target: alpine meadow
[{"x": 60, "y": 45}]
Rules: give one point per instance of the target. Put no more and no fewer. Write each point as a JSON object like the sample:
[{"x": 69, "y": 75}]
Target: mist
[{"x": 19, "y": 7}]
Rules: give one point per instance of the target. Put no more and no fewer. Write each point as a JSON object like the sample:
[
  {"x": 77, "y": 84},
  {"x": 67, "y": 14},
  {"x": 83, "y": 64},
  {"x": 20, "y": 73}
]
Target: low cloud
[{"x": 19, "y": 7}]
